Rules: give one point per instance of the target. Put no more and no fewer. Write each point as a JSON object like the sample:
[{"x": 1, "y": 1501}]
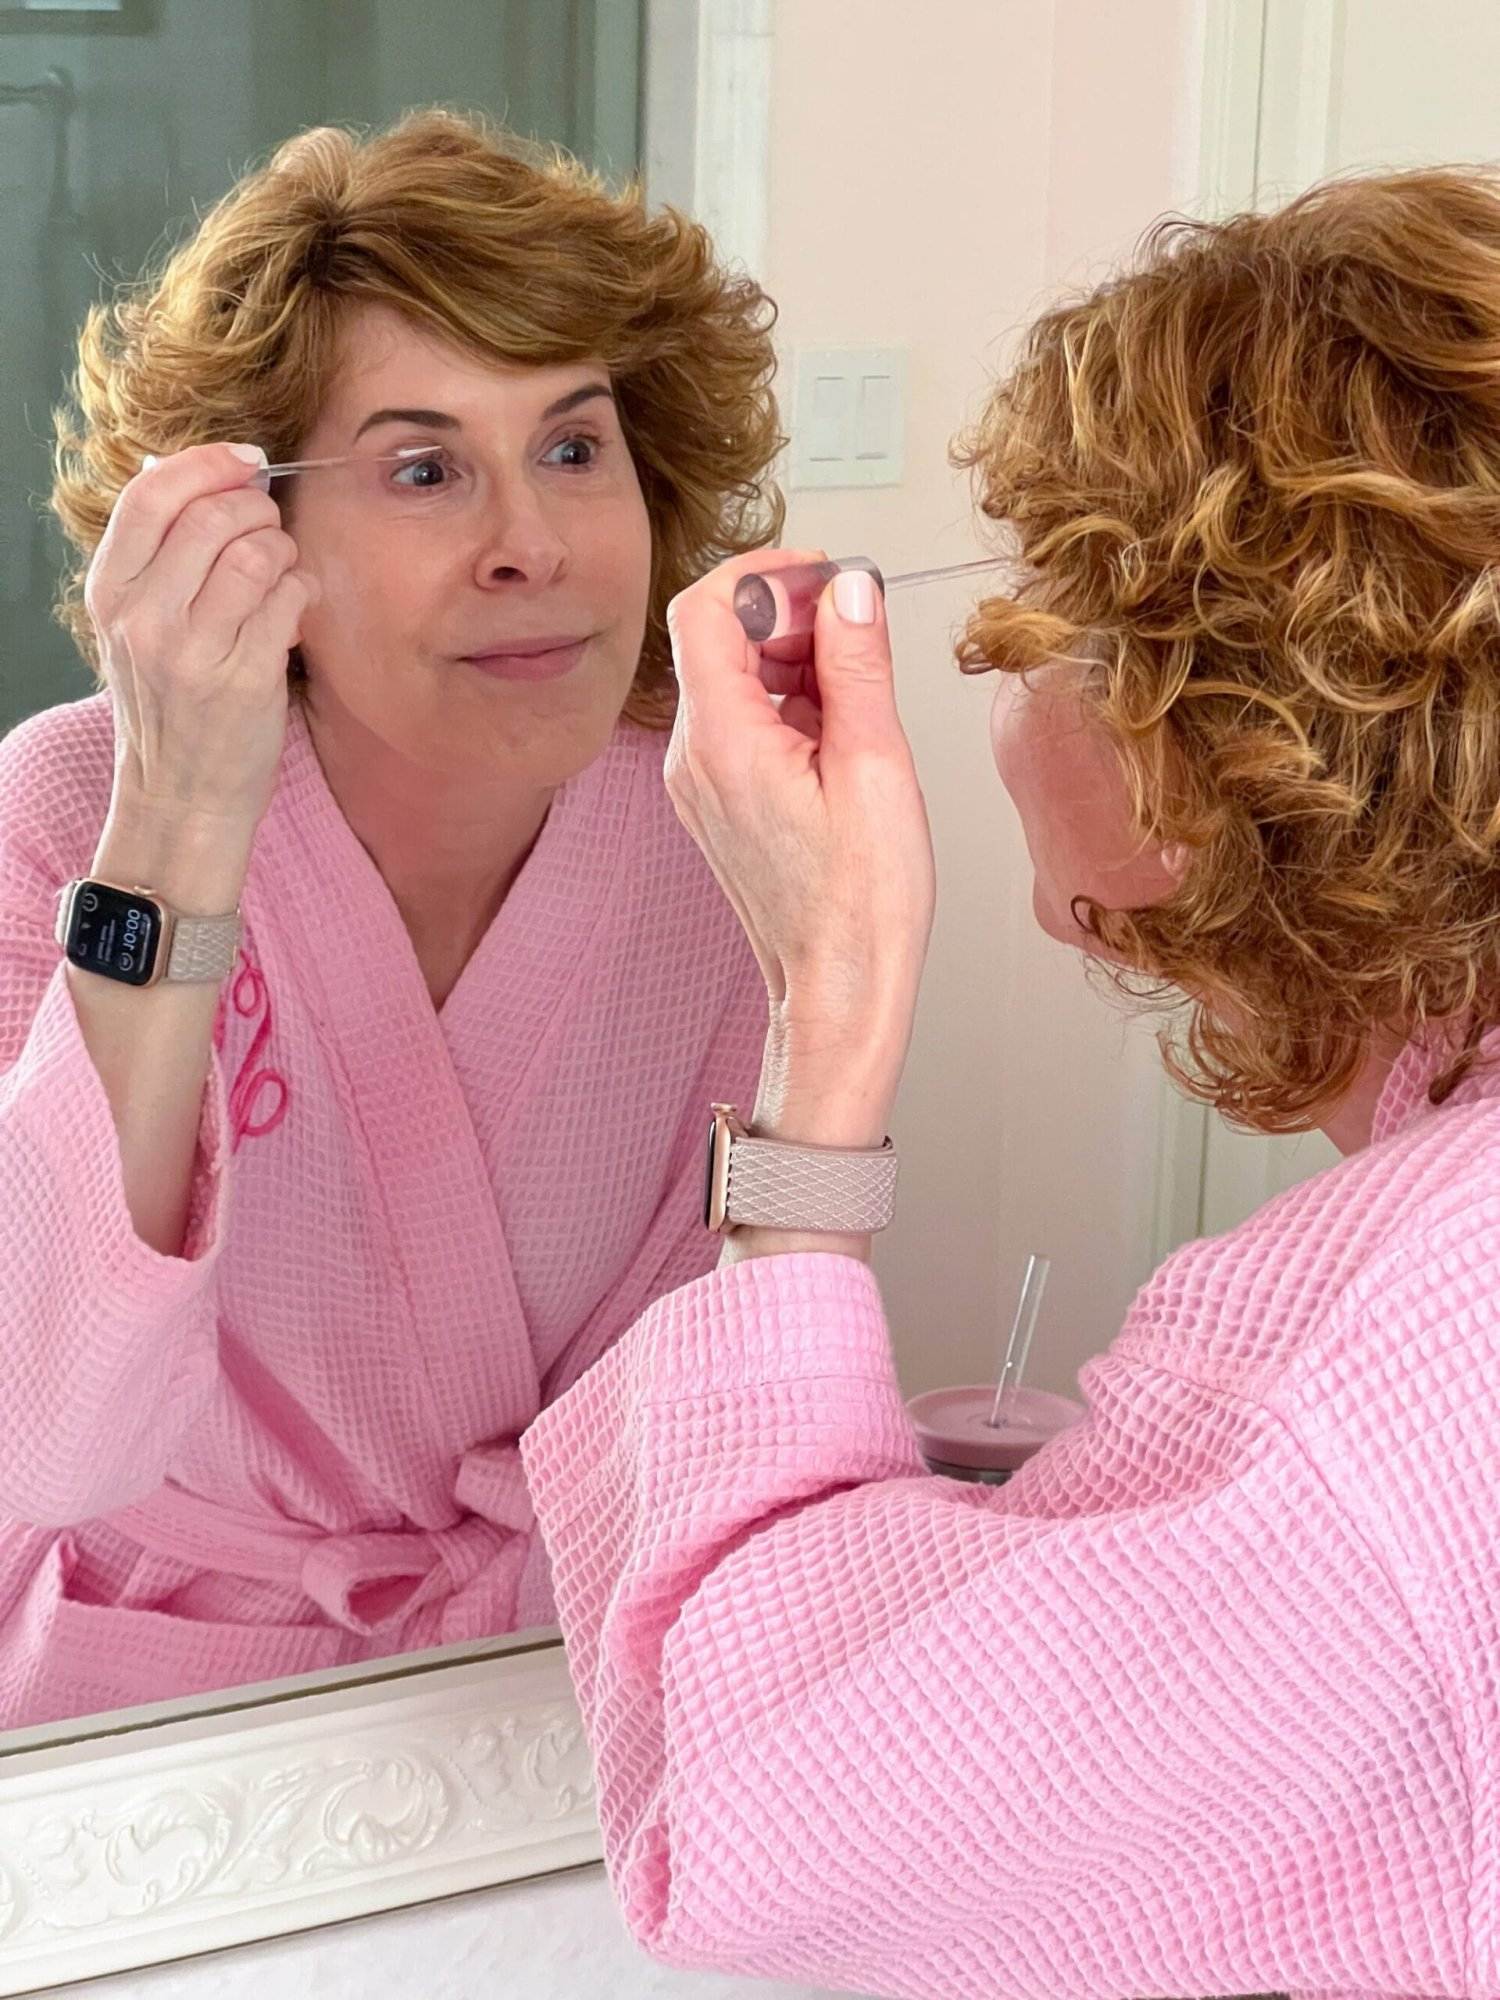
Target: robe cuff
[
  {"x": 803, "y": 1316},
  {"x": 71, "y": 1129}
]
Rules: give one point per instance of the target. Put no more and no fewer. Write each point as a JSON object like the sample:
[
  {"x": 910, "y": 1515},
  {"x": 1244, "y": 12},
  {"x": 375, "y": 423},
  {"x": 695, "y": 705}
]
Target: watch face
[
  {"x": 114, "y": 933},
  {"x": 708, "y": 1175}
]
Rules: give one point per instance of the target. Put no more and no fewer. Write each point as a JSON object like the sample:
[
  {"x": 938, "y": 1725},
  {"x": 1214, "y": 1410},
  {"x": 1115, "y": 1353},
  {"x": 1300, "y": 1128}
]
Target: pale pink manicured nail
[{"x": 854, "y": 596}]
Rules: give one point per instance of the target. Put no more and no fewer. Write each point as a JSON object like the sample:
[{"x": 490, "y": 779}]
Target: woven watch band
[
  {"x": 777, "y": 1184},
  {"x": 203, "y": 947}
]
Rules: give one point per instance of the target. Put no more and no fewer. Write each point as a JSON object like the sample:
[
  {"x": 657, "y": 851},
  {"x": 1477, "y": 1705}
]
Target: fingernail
[
  {"x": 250, "y": 453},
  {"x": 148, "y": 461},
  {"x": 854, "y": 596}
]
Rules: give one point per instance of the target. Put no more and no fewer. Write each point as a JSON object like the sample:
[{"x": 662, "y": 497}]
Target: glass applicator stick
[
  {"x": 783, "y": 603},
  {"x": 945, "y": 569}
]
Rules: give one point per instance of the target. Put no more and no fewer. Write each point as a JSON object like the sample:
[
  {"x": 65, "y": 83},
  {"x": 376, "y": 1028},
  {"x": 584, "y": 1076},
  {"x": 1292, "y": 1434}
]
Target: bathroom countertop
[{"x": 557, "y": 1938}]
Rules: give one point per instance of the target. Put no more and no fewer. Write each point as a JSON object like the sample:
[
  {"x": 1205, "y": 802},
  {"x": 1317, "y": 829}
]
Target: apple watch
[
  {"x": 131, "y": 935},
  {"x": 780, "y": 1184}
]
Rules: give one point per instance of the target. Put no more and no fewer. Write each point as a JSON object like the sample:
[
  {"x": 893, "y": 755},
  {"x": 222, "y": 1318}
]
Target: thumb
[{"x": 852, "y": 660}]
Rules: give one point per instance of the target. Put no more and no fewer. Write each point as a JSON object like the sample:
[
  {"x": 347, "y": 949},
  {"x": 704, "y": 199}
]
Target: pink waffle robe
[
  {"x": 294, "y": 1445},
  {"x": 1206, "y": 1700}
]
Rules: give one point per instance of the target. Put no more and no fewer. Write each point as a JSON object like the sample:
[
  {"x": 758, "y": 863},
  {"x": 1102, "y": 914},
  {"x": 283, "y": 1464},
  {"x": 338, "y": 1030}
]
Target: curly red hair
[
  {"x": 1257, "y": 478},
  {"x": 513, "y": 251}
]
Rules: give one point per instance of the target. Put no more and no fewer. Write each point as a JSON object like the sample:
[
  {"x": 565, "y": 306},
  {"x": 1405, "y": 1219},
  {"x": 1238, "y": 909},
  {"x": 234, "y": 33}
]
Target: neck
[
  {"x": 1348, "y": 1123},
  {"x": 448, "y": 851}
]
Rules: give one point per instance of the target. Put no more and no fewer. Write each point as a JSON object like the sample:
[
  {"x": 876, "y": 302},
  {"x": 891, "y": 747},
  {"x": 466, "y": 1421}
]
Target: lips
[
  {"x": 525, "y": 649},
  {"x": 530, "y": 659}
]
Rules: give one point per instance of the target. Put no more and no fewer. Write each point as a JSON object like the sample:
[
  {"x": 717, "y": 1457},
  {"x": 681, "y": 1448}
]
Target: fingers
[
  {"x": 276, "y": 620},
  {"x": 244, "y": 573},
  {"x": 790, "y": 676},
  {"x": 149, "y": 504},
  {"x": 719, "y": 669},
  {"x": 804, "y": 716},
  {"x": 855, "y": 676},
  {"x": 202, "y": 537}
]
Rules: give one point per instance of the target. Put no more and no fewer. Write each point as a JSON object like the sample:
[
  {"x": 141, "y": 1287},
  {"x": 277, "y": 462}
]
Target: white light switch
[
  {"x": 848, "y": 416},
  {"x": 830, "y": 431},
  {"x": 875, "y": 417}
]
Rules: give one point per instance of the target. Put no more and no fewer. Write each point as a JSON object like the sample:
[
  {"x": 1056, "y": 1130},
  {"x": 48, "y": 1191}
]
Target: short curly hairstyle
[
  {"x": 513, "y": 251},
  {"x": 1256, "y": 479}
]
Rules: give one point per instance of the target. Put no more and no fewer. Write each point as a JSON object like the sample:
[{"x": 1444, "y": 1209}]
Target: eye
[
  {"x": 579, "y": 442},
  {"x": 428, "y": 469}
]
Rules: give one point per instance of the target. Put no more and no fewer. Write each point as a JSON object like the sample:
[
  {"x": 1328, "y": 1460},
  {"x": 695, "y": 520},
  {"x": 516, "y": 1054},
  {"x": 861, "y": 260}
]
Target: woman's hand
[
  {"x": 813, "y": 822},
  {"x": 196, "y": 602}
]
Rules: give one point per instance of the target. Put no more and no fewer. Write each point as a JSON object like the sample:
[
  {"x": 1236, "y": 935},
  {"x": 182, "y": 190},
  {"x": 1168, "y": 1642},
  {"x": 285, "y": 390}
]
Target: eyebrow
[{"x": 440, "y": 420}]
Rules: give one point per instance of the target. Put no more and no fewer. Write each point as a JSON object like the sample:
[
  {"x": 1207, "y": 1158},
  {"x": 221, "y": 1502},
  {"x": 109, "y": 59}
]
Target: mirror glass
[
  {"x": 454, "y": 1137},
  {"x": 443, "y": 1140}
]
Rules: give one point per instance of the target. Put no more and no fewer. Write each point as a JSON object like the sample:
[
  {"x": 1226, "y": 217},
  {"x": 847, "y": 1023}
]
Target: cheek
[
  {"x": 615, "y": 552},
  {"x": 634, "y": 539},
  {"x": 1074, "y": 811},
  {"x": 1018, "y": 748},
  {"x": 354, "y": 604},
  {"x": 1019, "y": 765}
]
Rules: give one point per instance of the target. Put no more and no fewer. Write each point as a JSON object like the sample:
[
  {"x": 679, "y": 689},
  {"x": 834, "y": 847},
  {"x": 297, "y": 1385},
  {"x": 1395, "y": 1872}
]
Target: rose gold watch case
[
  {"x": 166, "y": 927},
  {"x": 726, "y": 1125}
]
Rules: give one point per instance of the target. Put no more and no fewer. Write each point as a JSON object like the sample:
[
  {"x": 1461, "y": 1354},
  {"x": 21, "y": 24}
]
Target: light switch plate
[{"x": 848, "y": 416}]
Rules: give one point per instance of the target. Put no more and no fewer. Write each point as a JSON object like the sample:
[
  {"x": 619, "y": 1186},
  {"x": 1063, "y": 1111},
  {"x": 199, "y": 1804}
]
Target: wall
[{"x": 933, "y": 190}]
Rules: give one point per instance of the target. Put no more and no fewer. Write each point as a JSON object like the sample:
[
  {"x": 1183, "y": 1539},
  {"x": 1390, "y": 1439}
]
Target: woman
[
  {"x": 1204, "y": 1701},
  {"x": 290, "y": 1259}
]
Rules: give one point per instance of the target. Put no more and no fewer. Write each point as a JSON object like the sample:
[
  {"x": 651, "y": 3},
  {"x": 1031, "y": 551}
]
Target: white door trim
[
  {"x": 1301, "y": 74},
  {"x": 1269, "y": 128},
  {"x": 707, "y": 143},
  {"x": 1271, "y": 77},
  {"x": 1233, "y": 67}
]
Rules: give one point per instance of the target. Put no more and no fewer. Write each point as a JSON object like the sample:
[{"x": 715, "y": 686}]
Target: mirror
[{"x": 447, "y": 1111}]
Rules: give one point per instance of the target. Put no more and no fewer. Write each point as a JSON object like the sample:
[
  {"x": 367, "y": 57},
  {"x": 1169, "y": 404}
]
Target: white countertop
[{"x": 557, "y": 1938}]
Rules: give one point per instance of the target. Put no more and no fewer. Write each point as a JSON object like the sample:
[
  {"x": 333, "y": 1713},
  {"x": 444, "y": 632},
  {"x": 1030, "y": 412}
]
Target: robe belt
[{"x": 368, "y": 1580}]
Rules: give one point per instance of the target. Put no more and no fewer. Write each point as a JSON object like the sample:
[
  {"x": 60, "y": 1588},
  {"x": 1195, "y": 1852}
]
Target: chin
[{"x": 1056, "y": 922}]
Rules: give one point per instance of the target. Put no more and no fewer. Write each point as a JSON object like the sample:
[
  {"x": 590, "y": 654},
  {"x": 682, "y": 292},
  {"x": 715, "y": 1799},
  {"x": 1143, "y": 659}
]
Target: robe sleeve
[
  {"x": 110, "y": 1346},
  {"x": 1152, "y": 1719},
  {"x": 678, "y": 1245}
]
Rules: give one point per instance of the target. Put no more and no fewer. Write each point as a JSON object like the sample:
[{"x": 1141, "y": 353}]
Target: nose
[{"x": 520, "y": 544}]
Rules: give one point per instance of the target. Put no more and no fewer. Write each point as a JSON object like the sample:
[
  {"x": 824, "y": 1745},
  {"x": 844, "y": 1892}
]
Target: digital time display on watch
[{"x": 114, "y": 932}]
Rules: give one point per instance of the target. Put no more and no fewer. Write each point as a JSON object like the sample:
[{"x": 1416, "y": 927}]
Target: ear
[{"x": 1175, "y": 858}]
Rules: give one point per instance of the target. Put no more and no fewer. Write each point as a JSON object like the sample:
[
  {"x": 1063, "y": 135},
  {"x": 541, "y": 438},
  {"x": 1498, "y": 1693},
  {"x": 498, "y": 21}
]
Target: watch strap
[
  {"x": 782, "y": 1184},
  {"x": 203, "y": 948}
]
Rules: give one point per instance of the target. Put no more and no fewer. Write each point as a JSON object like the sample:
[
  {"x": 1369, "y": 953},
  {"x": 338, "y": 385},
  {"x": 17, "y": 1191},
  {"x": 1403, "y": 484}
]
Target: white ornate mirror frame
[{"x": 179, "y": 1827}]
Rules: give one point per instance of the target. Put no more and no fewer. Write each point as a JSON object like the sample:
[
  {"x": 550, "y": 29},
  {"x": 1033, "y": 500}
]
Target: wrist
[
  {"x": 196, "y": 865},
  {"x": 838, "y": 1068},
  {"x": 811, "y": 1116},
  {"x": 819, "y": 1093},
  {"x": 751, "y": 1241}
]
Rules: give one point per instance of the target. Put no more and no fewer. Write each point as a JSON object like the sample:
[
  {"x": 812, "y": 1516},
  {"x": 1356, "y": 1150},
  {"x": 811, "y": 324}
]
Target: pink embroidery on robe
[{"x": 253, "y": 1089}]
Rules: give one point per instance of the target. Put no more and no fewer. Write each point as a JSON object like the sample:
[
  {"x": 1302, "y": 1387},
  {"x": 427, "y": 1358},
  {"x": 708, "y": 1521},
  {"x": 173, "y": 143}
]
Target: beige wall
[{"x": 936, "y": 172}]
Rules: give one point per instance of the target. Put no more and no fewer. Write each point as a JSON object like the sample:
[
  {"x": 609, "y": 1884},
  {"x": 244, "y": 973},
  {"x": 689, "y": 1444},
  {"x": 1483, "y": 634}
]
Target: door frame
[
  {"x": 1268, "y": 128},
  {"x": 706, "y": 119}
]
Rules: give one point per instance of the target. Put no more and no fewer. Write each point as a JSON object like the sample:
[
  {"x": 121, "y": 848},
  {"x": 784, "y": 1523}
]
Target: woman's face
[
  {"x": 534, "y": 530},
  {"x": 1063, "y": 776}
]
